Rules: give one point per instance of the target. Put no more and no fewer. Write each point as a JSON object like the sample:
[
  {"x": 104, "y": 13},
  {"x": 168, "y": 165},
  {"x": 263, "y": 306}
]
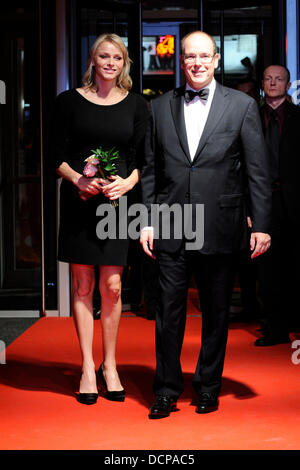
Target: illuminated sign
[{"x": 165, "y": 45}]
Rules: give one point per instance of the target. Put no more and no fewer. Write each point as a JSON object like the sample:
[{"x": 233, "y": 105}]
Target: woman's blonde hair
[{"x": 123, "y": 80}]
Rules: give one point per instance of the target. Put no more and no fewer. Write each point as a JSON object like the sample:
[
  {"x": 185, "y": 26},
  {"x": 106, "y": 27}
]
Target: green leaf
[{"x": 108, "y": 167}]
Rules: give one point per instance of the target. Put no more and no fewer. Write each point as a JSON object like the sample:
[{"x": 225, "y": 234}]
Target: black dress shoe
[
  {"x": 87, "y": 398},
  {"x": 271, "y": 340},
  {"x": 116, "y": 395},
  {"x": 162, "y": 407},
  {"x": 207, "y": 402}
]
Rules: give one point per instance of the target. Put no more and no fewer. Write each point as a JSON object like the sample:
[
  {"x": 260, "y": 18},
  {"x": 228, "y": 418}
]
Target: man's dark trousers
[{"x": 214, "y": 278}]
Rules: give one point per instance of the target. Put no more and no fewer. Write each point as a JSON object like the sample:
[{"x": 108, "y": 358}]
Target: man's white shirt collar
[{"x": 195, "y": 116}]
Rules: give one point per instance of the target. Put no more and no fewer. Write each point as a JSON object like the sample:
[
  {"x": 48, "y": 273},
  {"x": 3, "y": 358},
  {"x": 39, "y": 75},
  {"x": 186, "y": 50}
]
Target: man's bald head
[{"x": 199, "y": 33}]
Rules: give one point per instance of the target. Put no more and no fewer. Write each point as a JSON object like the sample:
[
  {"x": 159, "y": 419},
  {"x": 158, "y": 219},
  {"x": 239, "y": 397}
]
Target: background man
[
  {"x": 278, "y": 271},
  {"x": 198, "y": 151},
  {"x": 251, "y": 87}
]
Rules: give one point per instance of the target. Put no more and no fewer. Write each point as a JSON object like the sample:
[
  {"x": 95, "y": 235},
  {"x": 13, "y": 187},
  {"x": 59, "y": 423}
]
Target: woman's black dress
[{"x": 79, "y": 127}]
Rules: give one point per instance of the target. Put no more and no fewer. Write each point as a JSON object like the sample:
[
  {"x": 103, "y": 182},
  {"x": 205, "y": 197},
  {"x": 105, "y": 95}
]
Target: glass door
[
  {"x": 20, "y": 170},
  {"x": 164, "y": 26},
  {"x": 95, "y": 18},
  {"x": 249, "y": 35}
]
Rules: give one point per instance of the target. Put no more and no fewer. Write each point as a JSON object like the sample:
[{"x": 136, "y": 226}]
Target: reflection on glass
[
  {"x": 27, "y": 223},
  {"x": 240, "y": 53},
  {"x": 247, "y": 38},
  {"x": 26, "y": 175},
  {"x": 97, "y": 21},
  {"x": 159, "y": 55}
]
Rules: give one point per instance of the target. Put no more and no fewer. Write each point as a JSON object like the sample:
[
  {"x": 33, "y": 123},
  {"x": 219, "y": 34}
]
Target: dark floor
[{"x": 11, "y": 328}]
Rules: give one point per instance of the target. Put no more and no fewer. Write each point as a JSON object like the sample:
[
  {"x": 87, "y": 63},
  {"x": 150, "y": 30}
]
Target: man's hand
[
  {"x": 259, "y": 243},
  {"x": 146, "y": 240}
]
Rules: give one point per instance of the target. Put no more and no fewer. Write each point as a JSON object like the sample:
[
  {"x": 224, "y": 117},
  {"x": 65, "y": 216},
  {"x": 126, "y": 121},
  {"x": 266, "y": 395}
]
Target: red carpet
[{"x": 259, "y": 403}]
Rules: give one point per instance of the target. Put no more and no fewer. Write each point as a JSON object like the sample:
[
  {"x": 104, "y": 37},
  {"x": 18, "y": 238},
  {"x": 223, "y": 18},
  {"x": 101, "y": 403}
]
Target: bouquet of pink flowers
[{"x": 101, "y": 164}]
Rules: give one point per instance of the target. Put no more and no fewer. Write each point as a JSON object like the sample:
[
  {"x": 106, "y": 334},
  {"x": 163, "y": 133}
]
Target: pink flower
[
  {"x": 90, "y": 170},
  {"x": 92, "y": 160}
]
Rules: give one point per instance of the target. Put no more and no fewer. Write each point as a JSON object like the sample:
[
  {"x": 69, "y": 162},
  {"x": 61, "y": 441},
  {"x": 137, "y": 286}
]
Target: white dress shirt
[{"x": 195, "y": 116}]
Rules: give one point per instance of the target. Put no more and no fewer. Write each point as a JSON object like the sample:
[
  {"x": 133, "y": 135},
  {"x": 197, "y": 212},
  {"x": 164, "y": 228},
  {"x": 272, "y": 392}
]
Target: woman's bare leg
[
  {"x": 111, "y": 308},
  {"x": 83, "y": 282}
]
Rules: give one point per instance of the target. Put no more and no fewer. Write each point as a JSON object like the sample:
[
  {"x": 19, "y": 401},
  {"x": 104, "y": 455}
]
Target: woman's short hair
[{"x": 123, "y": 80}]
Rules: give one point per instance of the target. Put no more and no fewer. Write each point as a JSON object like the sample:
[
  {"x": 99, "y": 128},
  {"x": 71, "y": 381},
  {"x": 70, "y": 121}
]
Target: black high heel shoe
[
  {"x": 87, "y": 398},
  {"x": 117, "y": 395}
]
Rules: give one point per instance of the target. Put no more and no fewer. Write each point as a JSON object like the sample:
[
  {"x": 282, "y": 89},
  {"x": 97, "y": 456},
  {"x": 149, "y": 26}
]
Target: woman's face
[{"x": 108, "y": 61}]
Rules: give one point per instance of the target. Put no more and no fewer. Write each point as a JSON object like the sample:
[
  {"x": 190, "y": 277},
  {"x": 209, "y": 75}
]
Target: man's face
[
  {"x": 198, "y": 49},
  {"x": 275, "y": 82}
]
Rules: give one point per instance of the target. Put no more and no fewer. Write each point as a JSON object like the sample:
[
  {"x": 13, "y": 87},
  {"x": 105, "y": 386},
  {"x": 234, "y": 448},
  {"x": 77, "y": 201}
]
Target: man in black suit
[
  {"x": 199, "y": 150},
  {"x": 277, "y": 270}
]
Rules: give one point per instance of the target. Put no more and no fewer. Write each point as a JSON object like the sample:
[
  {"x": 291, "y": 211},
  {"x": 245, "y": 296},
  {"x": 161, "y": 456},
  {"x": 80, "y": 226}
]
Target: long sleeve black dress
[{"x": 79, "y": 127}]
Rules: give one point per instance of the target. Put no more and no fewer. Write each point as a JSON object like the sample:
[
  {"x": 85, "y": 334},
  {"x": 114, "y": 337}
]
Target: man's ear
[{"x": 216, "y": 59}]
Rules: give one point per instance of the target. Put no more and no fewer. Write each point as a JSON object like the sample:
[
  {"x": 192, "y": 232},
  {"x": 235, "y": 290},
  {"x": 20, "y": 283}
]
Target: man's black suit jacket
[
  {"x": 230, "y": 161},
  {"x": 289, "y": 158}
]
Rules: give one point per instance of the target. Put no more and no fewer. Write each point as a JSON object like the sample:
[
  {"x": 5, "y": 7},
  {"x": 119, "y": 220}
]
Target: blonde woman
[{"x": 102, "y": 113}]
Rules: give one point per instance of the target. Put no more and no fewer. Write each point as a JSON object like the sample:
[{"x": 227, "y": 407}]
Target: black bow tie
[{"x": 189, "y": 95}]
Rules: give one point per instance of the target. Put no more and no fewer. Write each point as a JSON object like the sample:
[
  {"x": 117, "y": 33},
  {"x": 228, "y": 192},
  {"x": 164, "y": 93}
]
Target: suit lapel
[
  {"x": 177, "y": 109},
  {"x": 217, "y": 109}
]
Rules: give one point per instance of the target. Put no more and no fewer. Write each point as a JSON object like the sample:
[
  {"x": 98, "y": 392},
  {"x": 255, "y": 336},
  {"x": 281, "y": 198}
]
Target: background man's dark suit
[
  {"x": 289, "y": 161},
  {"x": 278, "y": 268}
]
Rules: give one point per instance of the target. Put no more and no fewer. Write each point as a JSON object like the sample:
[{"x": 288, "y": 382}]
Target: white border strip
[{"x": 20, "y": 314}]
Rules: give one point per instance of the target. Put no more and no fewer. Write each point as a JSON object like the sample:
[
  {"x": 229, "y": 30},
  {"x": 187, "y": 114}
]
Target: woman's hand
[
  {"x": 88, "y": 187},
  {"x": 117, "y": 187}
]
